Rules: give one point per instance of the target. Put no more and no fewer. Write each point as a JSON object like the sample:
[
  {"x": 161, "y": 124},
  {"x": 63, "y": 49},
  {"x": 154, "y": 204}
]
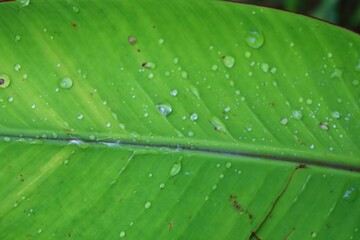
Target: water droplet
[
  {"x": 313, "y": 234},
  {"x": 149, "y": 65},
  {"x": 214, "y": 187},
  {"x": 151, "y": 76},
  {"x": 75, "y": 9},
  {"x": 355, "y": 82},
  {"x": 324, "y": 125},
  {"x": 350, "y": 194},
  {"x": 228, "y": 165},
  {"x": 247, "y": 54},
  {"x": 184, "y": 74},
  {"x": 174, "y": 93},
  {"x": 161, "y": 41},
  {"x": 283, "y": 121},
  {"x": 162, "y": 185},
  {"x": 357, "y": 67},
  {"x": 40, "y": 230},
  {"x": 17, "y": 67},
  {"x": 221, "y": 176},
  {"x": 193, "y": 116},
  {"x": 17, "y": 38},
  {"x": 7, "y": 139},
  {"x": 122, "y": 234},
  {"x": 176, "y": 60},
  {"x": 165, "y": 109},
  {"x": 80, "y": 116},
  {"x": 4, "y": 81},
  {"x": 214, "y": 67},
  {"x": 24, "y": 3},
  {"x": 228, "y": 61},
  {"x": 297, "y": 115},
  {"x": 335, "y": 115},
  {"x": 147, "y": 205},
  {"x": 265, "y": 67},
  {"x": 309, "y": 101},
  {"x": 10, "y": 99},
  {"x": 66, "y": 83},
  {"x": 33, "y": 106},
  {"x": 175, "y": 169},
  {"x": 217, "y": 124},
  {"x": 312, "y": 146},
  {"x": 273, "y": 70},
  {"x": 255, "y": 39},
  {"x": 132, "y": 40},
  {"x": 338, "y": 73}
]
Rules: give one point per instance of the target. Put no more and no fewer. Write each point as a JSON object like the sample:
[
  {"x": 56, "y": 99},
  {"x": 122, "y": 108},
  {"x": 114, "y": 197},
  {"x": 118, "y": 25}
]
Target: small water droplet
[
  {"x": 214, "y": 187},
  {"x": 350, "y": 194},
  {"x": 357, "y": 67},
  {"x": 7, "y": 139},
  {"x": 174, "y": 93},
  {"x": 164, "y": 108},
  {"x": 162, "y": 185},
  {"x": 176, "y": 60},
  {"x": 39, "y": 231},
  {"x": 149, "y": 65},
  {"x": 247, "y": 54},
  {"x": 147, "y": 205},
  {"x": 228, "y": 61},
  {"x": 184, "y": 74},
  {"x": 161, "y": 41},
  {"x": 4, "y": 81},
  {"x": 80, "y": 116},
  {"x": 75, "y": 9},
  {"x": 335, "y": 115},
  {"x": 33, "y": 106},
  {"x": 313, "y": 234},
  {"x": 283, "y": 121},
  {"x": 122, "y": 234},
  {"x": 17, "y": 67},
  {"x": 193, "y": 116},
  {"x": 131, "y": 40},
  {"x": 65, "y": 83},
  {"x": 273, "y": 70},
  {"x": 355, "y": 82},
  {"x": 309, "y": 101},
  {"x": 214, "y": 67},
  {"x": 312, "y": 146},
  {"x": 10, "y": 99},
  {"x": 17, "y": 38},
  {"x": 324, "y": 125},
  {"x": 175, "y": 169},
  {"x": 254, "y": 39},
  {"x": 228, "y": 165},
  {"x": 24, "y": 3},
  {"x": 297, "y": 115},
  {"x": 221, "y": 176},
  {"x": 338, "y": 73},
  {"x": 265, "y": 67}
]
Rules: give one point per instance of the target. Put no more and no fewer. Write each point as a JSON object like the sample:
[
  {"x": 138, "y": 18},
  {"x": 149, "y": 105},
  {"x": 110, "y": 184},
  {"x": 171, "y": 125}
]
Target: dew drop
[
  {"x": 75, "y": 9},
  {"x": 313, "y": 234},
  {"x": 265, "y": 67},
  {"x": 174, "y": 93},
  {"x": 147, "y": 205},
  {"x": 7, "y": 139},
  {"x": 357, "y": 67},
  {"x": 164, "y": 108},
  {"x": 161, "y": 41},
  {"x": 176, "y": 60},
  {"x": 355, "y": 82},
  {"x": 283, "y": 121},
  {"x": 247, "y": 54},
  {"x": 335, "y": 115},
  {"x": 184, "y": 74},
  {"x": 175, "y": 169},
  {"x": 65, "y": 83},
  {"x": 17, "y": 38},
  {"x": 193, "y": 116},
  {"x": 228, "y": 61},
  {"x": 214, "y": 67},
  {"x": 149, "y": 65},
  {"x": 80, "y": 116},
  {"x": 4, "y": 81},
  {"x": 324, "y": 125},
  {"x": 122, "y": 234},
  {"x": 254, "y": 39},
  {"x": 17, "y": 67},
  {"x": 228, "y": 165},
  {"x": 337, "y": 73},
  {"x": 24, "y": 3},
  {"x": 350, "y": 194},
  {"x": 131, "y": 40},
  {"x": 162, "y": 185},
  {"x": 297, "y": 115}
]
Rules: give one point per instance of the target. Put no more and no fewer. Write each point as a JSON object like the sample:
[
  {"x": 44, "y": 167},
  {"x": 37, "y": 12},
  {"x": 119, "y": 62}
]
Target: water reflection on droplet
[
  {"x": 254, "y": 39},
  {"x": 228, "y": 61},
  {"x": 164, "y": 108},
  {"x": 65, "y": 83}
]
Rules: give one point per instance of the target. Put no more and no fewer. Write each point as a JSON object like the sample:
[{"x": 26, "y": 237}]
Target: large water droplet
[
  {"x": 175, "y": 169},
  {"x": 255, "y": 39},
  {"x": 66, "y": 83},
  {"x": 4, "y": 81},
  {"x": 228, "y": 61},
  {"x": 164, "y": 108}
]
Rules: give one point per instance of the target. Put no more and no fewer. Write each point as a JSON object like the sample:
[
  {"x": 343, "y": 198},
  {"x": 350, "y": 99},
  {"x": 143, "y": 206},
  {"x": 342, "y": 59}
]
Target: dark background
[{"x": 345, "y": 13}]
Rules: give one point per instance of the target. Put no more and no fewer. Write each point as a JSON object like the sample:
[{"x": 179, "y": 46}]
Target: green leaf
[{"x": 176, "y": 120}]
